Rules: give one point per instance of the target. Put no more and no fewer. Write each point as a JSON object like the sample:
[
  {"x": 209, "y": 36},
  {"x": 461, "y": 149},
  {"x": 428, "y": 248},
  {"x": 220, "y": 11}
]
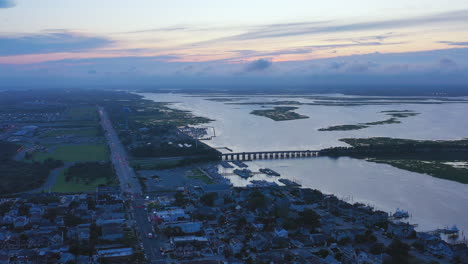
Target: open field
[
  {"x": 72, "y": 186},
  {"x": 198, "y": 175},
  {"x": 85, "y": 132},
  {"x": 82, "y": 112},
  {"x": 73, "y": 153}
]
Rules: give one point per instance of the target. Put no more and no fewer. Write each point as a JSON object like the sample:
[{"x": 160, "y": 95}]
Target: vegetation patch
[
  {"x": 279, "y": 113},
  {"x": 75, "y": 153},
  {"x": 433, "y": 157},
  {"x": 85, "y": 132},
  {"x": 16, "y": 176},
  {"x": 431, "y": 167},
  {"x": 82, "y": 112},
  {"x": 396, "y": 115},
  {"x": 85, "y": 177},
  {"x": 343, "y": 128},
  {"x": 199, "y": 175}
]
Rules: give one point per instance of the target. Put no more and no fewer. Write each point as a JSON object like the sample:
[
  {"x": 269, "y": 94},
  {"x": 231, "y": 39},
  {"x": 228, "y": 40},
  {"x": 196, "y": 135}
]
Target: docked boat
[
  {"x": 269, "y": 172},
  {"x": 244, "y": 173},
  {"x": 289, "y": 183}
]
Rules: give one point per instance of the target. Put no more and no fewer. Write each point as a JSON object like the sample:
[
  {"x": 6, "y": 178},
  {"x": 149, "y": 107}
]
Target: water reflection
[{"x": 433, "y": 203}]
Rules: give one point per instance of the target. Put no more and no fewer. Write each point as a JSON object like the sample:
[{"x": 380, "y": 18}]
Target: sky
[{"x": 153, "y": 42}]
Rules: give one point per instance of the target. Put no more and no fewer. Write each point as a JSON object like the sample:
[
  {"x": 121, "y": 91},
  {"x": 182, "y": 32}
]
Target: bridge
[{"x": 262, "y": 155}]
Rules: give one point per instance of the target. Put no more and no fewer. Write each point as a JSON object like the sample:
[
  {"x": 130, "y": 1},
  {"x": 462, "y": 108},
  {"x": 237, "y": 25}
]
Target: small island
[
  {"x": 279, "y": 113},
  {"x": 400, "y": 113},
  {"x": 395, "y": 116},
  {"x": 343, "y": 128}
]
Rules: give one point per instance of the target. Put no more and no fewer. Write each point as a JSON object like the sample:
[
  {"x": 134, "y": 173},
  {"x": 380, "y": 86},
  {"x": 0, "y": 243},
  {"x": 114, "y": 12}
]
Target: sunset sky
[{"x": 151, "y": 40}]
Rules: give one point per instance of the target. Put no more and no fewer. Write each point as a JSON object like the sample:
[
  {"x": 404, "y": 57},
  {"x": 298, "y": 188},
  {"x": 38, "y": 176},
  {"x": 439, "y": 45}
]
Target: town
[{"x": 152, "y": 206}]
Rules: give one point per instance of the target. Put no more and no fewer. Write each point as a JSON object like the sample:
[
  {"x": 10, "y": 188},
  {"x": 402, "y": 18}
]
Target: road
[
  {"x": 127, "y": 178},
  {"x": 151, "y": 245},
  {"x": 130, "y": 185}
]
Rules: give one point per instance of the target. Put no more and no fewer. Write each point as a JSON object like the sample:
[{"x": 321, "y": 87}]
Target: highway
[
  {"x": 130, "y": 185},
  {"x": 127, "y": 178}
]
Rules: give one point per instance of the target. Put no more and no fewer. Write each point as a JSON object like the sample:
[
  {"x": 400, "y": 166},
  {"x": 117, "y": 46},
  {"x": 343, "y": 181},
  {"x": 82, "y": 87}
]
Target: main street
[{"x": 130, "y": 185}]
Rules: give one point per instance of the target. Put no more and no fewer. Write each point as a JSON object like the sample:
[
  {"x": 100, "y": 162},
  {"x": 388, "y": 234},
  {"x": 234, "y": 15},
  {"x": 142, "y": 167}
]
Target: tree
[
  {"x": 180, "y": 199},
  {"x": 377, "y": 248},
  {"x": 310, "y": 218},
  {"x": 257, "y": 200},
  {"x": 208, "y": 199},
  {"x": 398, "y": 251}
]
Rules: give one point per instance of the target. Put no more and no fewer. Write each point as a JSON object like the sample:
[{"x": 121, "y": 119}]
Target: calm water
[{"x": 433, "y": 203}]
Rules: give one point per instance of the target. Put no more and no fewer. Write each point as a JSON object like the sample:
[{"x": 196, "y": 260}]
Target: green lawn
[
  {"x": 86, "y": 132},
  {"x": 154, "y": 164},
  {"x": 63, "y": 186},
  {"x": 82, "y": 112},
  {"x": 75, "y": 153},
  {"x": 198, "y": 175}
]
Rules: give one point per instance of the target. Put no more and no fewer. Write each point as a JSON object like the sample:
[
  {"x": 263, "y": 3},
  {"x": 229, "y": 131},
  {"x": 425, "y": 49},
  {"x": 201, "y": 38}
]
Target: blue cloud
[
  {"x": 49, "y": 43},
  {"x": 316, "y": 28},
  {"x": 454, "y": 43},
  {"x": 7, "y": 3},
  {"x": 258, "y": 65}
]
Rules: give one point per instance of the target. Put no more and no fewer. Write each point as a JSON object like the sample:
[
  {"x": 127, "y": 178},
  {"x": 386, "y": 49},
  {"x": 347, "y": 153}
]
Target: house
[
  {"x": 20, "y": 221},
  {"x": 318, "y": 239},
  {"x": 280, "y": 232},
  {"x": 400, "y": 229},
  {"x": 171, "y": 215},
  {"x": 112, "y": 231},
  {"x": 260, "y": 242},
  {"x": 187, "y": 227},
  {"x": 83, "y": 232},
  {"x": 235, "y": 245},
  {"x": 115, "y": 255},
  {"x": 439, "y": 248},
  {"x": 460, "y": 251}
]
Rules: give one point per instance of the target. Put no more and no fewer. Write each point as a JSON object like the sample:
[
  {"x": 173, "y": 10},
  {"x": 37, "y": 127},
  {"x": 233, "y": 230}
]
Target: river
[{"x": 433, "y": 203}]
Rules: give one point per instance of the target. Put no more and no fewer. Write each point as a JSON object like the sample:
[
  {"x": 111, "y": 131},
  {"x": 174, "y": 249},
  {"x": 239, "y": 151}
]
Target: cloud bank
[
  {"x": 7, "y": 3},
  {"x": 49, "y": 43}
]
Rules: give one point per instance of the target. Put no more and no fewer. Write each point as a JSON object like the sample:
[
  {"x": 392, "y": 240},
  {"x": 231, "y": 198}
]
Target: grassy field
[
  {"x": 63, "y": 186},
  {"x": 198, "y": 175},
  {"x": 82, "y": 112},
  {"x": 154, "y": 164},
  {"x": 430, "y": 167},
  {"x": 86, "y": 132},
  {"x": 74, "y": 153}
]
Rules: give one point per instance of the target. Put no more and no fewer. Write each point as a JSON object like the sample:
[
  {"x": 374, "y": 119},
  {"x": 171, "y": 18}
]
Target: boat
[
  {"x": 240, "y": 164},
  {"x": 269, "y": 172},
  {"x": 244, "y": 173},
  {"x": 289, "y": 183},
  {"x": 261, "y": 183}
]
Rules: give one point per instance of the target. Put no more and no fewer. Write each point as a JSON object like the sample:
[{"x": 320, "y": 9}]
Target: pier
[{"x": 263, "y": 155}]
